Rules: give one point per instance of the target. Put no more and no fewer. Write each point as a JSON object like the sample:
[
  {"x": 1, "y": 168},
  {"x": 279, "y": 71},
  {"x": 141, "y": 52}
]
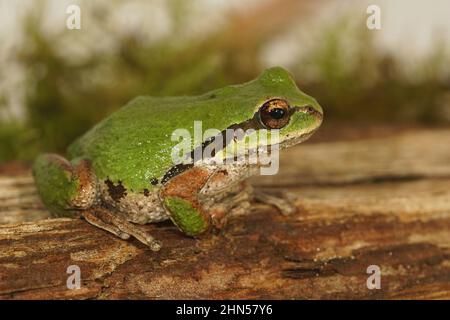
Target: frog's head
[
  {"x": 281, "y": 105},
  {"x": 270, "y": 103}
]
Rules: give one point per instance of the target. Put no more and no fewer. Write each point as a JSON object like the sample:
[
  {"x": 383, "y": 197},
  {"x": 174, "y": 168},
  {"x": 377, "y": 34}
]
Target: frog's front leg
[
  {"x": 277, "y": 200},
  {"x": 180, "y": 198},
  {"x": 203, "y": 197}
]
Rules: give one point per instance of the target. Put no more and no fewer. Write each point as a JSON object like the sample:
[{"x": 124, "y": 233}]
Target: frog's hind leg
[
  {"x": 93, "y": 218},
  {"x": 65, "y": 187},
  {"x": 71, "y": 189},
  {"x": 119, "y": 226}
]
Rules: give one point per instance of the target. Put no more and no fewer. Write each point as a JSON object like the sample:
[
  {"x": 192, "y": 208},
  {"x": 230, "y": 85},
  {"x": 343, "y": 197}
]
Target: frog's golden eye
[{"x": 274, "y": 114}]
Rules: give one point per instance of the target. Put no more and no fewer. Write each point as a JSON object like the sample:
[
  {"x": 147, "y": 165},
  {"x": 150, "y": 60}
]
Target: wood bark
[{"x": 383, "y": 202}]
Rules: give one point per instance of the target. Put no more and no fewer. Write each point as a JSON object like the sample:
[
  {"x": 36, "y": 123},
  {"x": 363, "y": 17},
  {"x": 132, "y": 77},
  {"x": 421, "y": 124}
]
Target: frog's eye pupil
[{"x": 277, "y": 113}]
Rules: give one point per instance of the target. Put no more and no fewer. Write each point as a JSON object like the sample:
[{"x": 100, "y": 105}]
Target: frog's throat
[{"x": 222, "y": 140}]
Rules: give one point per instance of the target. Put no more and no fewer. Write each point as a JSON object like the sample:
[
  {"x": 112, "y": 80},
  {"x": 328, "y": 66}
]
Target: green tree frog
[{"x": 121, "y": 173}]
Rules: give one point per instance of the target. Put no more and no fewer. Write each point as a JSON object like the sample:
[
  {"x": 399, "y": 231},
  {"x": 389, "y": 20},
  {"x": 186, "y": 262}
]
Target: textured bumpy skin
[{"x": 133, "y": 145}]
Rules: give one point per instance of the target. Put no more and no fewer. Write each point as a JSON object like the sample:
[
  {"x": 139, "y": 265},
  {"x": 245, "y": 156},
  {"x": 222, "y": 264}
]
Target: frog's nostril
[
  {"x": 311, "y": 111},
  {"x": 306, "y": 109}
]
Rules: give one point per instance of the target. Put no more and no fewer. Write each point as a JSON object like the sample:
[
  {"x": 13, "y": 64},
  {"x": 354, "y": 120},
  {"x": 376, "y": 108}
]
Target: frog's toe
[
  {"x": 155, "y": 245},
  {"x": 96, "y": 220},
  {"x": 120, "y": 227},
  {"x": 285, "y": 206}
]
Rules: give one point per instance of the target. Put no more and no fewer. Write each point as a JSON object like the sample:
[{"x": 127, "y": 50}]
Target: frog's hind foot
[
  {"x": 119, "y": 226},
  {"x": 65, "y": 187},
  {"x": 278, "y": 200}
]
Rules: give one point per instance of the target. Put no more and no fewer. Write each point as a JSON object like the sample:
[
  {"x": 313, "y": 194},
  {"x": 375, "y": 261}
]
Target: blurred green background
[{"x": 70, "y": 79}]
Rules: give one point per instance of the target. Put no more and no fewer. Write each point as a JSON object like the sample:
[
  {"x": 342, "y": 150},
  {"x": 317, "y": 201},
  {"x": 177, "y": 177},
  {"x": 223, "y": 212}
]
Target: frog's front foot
[
  {"x": 279, "y": 201},
  {"x": 119, "y": 226}
]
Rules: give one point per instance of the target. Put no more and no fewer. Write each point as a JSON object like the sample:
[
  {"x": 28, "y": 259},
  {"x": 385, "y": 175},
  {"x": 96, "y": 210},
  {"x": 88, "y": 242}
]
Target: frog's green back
[{"x": 134, "y": 145}]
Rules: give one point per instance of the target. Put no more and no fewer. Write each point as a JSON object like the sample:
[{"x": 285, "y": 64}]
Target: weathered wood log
[{"x": 383, "y": 202}]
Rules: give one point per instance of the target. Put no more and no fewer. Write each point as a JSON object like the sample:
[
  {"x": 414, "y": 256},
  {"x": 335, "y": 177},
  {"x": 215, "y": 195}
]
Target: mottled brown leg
[
  {"x": 93, "y": 219},
  {"x": 65, "y": 187},
  {"x": 120, "y": 226}
]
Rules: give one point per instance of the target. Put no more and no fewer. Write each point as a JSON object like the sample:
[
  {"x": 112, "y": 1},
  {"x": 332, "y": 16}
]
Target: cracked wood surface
[{"x": 382, "y": 202}]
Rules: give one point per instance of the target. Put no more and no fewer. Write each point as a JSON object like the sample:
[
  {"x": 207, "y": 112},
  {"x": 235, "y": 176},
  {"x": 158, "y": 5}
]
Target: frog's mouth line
[
  {"x": 222, "y": 140},
  {"x": 297, "y": 139}
]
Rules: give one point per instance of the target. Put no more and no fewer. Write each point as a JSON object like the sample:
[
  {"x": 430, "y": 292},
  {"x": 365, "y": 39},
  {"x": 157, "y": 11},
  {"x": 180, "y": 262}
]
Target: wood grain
[{"x": 382, "y": 202}]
